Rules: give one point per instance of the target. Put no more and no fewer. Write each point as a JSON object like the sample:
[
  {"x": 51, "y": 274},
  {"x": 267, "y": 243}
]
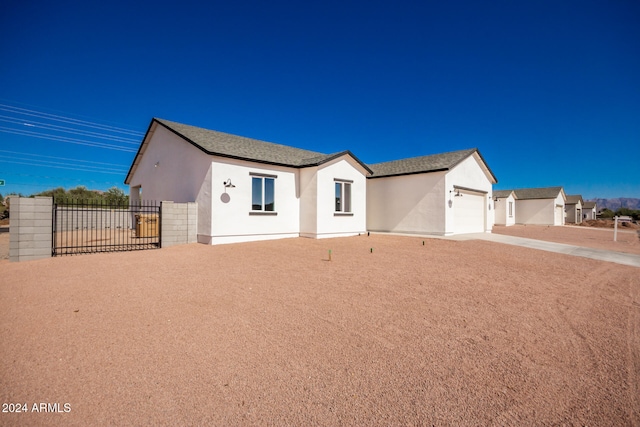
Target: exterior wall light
[{"x": 228, "y": 184}]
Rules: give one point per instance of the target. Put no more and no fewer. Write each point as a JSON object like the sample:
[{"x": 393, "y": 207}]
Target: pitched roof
[
  {"x": 589, "y": 205},
  {"x": 573, "y": 199},
  {"x": 424, "y": 164},
  {"x": 501, "y": 194},
  {"x": 238, "y": 147},
  {"x": 538, "y": 193}
]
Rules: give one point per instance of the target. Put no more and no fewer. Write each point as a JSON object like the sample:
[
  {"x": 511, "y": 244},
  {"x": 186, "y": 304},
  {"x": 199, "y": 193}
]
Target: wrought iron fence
[{"x": 91, "y": 226}]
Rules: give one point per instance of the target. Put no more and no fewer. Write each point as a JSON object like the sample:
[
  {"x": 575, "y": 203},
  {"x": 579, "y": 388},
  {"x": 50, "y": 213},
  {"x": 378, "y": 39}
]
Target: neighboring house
[
  {"x": 542, "y": 206},
  {"x": 573, "y": 209},
  {"x": 589, "y": 210},
  {"x": 248, "y": 189},
  {"x": 504, "y": 207},
  {"x": 442, "y": 194}
]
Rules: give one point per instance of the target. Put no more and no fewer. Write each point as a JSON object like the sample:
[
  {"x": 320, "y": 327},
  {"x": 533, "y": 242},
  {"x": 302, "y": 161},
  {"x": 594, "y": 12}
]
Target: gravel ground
[{"x": 392, "y": 331}]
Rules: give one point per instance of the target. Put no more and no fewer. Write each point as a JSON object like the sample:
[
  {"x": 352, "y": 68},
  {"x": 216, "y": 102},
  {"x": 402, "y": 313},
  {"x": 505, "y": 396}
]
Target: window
[
  {"x": 510, "y": 209},
  {"x": 263, "y": 192},
  {"x": 343, "y": 196}
]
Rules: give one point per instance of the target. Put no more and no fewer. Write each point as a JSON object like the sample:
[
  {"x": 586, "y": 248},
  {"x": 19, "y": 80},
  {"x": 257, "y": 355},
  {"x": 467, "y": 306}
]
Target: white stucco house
[
  {"x": 441, "y": 194},
  {"x": 250, "y": 190},
  {"x": 541, "y": 206},
  {"x": 573, "y": 209},
  {"x": 589, "y": 210},
  {"x": 247, "y": 189},
  {"x": 504, "y": 206}
]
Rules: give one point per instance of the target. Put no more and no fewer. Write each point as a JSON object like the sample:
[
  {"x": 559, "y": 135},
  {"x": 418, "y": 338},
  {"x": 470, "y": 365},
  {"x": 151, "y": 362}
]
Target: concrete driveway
[{"x": 599, "y": 254}]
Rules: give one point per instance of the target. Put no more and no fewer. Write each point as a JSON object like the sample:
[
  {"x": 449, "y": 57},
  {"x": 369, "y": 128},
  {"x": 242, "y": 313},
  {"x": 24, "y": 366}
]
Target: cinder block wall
[
  {"x": 30, "y": 228},
  {"x": 179, "y": 223}
]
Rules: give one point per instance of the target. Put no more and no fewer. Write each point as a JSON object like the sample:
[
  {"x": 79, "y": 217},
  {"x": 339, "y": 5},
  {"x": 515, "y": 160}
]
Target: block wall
[
  {"x": 179, "y": 223},
  {"x": 30, "y": 228}
]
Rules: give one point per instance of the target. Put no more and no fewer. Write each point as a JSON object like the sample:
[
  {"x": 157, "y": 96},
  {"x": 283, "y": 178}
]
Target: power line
[
  {"x": 69, "y": 120},
  {"x": 65, "y": 129},
  {"x": 60, "y": 165},
  {"x": 66, "y": 139},
  {"x": 64, "y": 158},
  {"x": 60, "y": 178}
]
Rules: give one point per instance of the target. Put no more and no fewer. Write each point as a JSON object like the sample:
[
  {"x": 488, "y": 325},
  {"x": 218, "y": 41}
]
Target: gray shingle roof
[
  {"x": 238, "y": 147},
  {"x": 502, "y": 193},
  {"x": 423, "y": 164},
  {"x": 538, "y": 193},
  {"x": 573, "y": 199},
  {"x": 227, "y": 145},
  {"x": 589, "y": 205}
]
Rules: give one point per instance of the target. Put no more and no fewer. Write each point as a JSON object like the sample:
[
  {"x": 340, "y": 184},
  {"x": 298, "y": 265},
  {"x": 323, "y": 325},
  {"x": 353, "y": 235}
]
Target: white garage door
[
  {"x": 559, "y": 215},
  {"x": 468, "y": 213}
]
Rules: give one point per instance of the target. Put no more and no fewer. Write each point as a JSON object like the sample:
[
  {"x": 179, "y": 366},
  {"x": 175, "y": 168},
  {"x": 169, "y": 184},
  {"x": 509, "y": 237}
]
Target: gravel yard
[{"x": 392, "y": 331}]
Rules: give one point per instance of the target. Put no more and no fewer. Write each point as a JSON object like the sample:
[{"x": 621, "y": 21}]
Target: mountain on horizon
[{"x": 615, "y": 204}]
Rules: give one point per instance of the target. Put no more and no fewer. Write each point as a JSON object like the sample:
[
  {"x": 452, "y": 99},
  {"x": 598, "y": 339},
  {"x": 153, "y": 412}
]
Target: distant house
[
  {"x": 589, "y": 210},
  {"x": 504, "y": 206},
  {"x": 573, "y": 209},
  {"x": 441, "y": 194},
  {"x": 542, "y": 206},
  {"x": 248, "y": 189}
]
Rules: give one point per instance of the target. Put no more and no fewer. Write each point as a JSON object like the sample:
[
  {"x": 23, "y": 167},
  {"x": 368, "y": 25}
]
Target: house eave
[
  {"x": 143, "y": 146},
  {"x": 408, "y": 173}
]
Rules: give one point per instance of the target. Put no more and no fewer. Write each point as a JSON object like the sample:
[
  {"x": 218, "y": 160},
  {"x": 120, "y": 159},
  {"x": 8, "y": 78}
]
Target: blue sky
[{"x": 549, "y": 91}]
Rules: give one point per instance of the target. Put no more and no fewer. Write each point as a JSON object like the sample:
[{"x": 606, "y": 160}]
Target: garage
[
  {"x": 559, "y": 215},
  {"x": 468, "y": 211},
  {"x": 439, "y": 194}
]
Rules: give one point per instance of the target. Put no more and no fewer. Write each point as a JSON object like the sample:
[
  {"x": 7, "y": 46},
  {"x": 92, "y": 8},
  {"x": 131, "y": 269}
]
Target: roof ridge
[{"x": 470, "y": 150}]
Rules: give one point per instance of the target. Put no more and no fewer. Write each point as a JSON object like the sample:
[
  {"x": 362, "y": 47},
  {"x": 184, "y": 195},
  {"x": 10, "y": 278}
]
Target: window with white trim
[
  {"x": 510, "y": 209},
  {"x": 343, "y": 196},
  {"x": 263, "y": 193}
]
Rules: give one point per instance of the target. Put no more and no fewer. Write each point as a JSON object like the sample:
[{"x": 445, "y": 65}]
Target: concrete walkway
[{"x": 599, "y": 254}]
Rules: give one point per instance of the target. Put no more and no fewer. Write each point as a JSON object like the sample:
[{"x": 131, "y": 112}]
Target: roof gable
[
  {"x": 539, "y": 193},
  {"x": 227, "y": 145},
  {"x": 427, "y": 164},
  {"x": 574, "y": 199},
  {"x": 503, "y": 194}
]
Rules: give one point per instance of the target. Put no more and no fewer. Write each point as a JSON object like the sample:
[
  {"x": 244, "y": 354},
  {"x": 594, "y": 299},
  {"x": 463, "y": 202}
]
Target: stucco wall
[
  {"x": 173, "y": 169},
  {"x": 535, "y": 211},
  {"x": 589, "y": 214},
  {"x": 308, "y": 202},
  {"x": 232, "y": 219},
  {"x": 331, "y": 224},
  {"x": 573, "y": 213},
  {"x": 469, "y": 174},
  {"x": 317, "y": 199},
  {"x": 407, "y": 204},
  {"x": 501, "y": 211}
]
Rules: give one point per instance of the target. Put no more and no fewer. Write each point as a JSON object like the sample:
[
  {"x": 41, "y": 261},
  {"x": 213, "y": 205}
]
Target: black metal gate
[{"x": 94, "y": 226}]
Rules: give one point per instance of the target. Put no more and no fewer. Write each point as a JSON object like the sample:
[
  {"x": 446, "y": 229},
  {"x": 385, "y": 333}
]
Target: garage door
[
  {"x": 559, "y": 215},
  {"x": 468, "y": 212}
]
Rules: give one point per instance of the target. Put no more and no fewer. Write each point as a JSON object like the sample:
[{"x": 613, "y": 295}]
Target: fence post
[
  {"x": 30, "y": 228},
  {"x": 178, "y": 223},
  {"x": 615, "y": 228}
]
